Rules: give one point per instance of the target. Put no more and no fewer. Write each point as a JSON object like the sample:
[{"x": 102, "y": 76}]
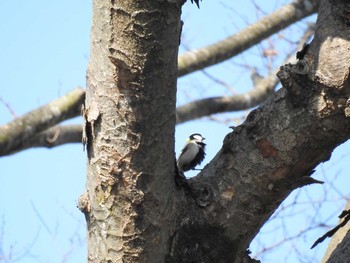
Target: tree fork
[
  {"x": 134, "y": 211},
  {"x": 275, "y": 150}
]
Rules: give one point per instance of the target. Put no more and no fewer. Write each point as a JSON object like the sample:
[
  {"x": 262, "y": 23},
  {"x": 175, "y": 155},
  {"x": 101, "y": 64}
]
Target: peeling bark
[
  {"x": 200, "y": 108},
  {"x": 133, "y": 209},
  {"x": 130, "y": 116},
  {"x": 253, "y": 34},
  {"x": 276, "y": 149}
]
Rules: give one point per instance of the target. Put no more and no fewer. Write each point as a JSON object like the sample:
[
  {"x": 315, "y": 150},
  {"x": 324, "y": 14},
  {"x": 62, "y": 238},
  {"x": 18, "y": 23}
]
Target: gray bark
[
  {"x": 134, "y": 211},
  {"x": 130, "y": 117},
  {"x": 276, "y": 149},
  {"x": 16, "y": 135}
]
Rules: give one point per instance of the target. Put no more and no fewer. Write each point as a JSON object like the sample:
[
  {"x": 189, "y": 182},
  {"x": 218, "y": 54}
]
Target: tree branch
[
  {"x": 54, "y": 136},
  {"x": 277, "y": 147},
  {"x": 263, "y": 88},
  {"x": 248, "y": 37},
  {"x": 13, "y": 136},
  {"x": 205, "y": 107},
  {"x": 17, "y": 132},
  {"x": 193, "y": 110},
  {"x": 196, "y": 109}
]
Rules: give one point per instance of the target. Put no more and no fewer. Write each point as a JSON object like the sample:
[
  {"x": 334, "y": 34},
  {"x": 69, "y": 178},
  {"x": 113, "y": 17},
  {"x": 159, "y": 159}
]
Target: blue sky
[{"x": 45, "y": 51}]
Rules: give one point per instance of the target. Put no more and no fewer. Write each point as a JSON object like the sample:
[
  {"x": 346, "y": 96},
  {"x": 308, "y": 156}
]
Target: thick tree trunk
[
  {"x": 133, "y": 209},
  {"x": 275, "y": 150},
  {"x": 130, "y": 123}
]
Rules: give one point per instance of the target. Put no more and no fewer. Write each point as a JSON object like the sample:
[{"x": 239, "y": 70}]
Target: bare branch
[
  {"x": 282, "y": 141},
  {"x": 248, "y": 37},
  {"x": 59, "y": 135},
  {"x": 263, "y": 88},
  {"x": 55, "y": 136},
  {"x": 24, "y": 128},
  {"x": 7, "y": 106},
  {"x": 205, "y": 107}
]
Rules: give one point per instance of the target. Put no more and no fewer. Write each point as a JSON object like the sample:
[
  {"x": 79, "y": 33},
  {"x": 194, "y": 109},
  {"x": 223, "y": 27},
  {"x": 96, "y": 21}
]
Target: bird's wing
[{"x": 189, "y": 152}]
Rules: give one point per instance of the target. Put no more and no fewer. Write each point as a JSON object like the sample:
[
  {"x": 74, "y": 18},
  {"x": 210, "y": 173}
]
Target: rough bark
[
  {"x": 225, "y": 49},
  {"x": 133, "y": 209},
  {"x": 274, "y": 151},
  {"x": 59, "y": 135},
  {"x": 130, "y": 117}
]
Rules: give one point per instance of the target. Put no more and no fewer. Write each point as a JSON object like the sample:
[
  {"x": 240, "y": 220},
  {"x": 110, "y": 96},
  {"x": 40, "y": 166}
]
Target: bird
[{"x": 192, "y": 154}]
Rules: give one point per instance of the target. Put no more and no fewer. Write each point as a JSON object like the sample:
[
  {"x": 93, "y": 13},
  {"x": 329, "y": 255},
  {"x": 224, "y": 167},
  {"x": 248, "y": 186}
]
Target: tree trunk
[
  {"x": 130, "y": 124},
  {"x": 275, "y": 150},
  {"x": 339, "y": 247},
  {"x": 135, "y": 213},
  {"x": 342, "y": 251}
]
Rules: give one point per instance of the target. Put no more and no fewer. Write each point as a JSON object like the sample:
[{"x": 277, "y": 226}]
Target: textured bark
[
  {"x": 130, "y": 117},
  {"x": 248, "y": 37},
  {"x": 59, "y": 135},
  {"x": 274, "y": 151},
  {"x": 134, "y": 211},
  {"x": 189, "y": 62}
]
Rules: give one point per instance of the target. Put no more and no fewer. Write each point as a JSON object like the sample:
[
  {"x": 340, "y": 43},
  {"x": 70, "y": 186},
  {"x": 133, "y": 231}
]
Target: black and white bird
[{"x": 192, "y": 154}]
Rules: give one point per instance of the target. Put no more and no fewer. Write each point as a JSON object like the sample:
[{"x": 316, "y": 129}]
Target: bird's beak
[{"x": 203, "y": 139}]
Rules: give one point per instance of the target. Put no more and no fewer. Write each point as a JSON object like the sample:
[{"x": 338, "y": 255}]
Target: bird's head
[{"x": 196, "y": 137}]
